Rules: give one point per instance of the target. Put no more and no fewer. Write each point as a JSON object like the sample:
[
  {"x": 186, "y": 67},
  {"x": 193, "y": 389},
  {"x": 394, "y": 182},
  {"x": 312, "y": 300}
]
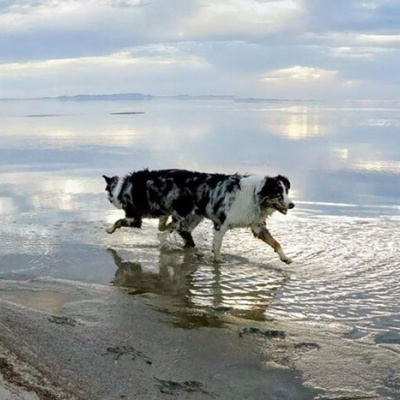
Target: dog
[{"x": 229, "y": 201}]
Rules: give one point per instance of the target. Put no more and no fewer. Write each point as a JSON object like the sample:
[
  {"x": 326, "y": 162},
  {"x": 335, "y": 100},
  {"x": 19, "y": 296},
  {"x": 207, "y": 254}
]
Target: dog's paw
[
  {"x": 198, "y": 253},
  {"x": 286, "y": 260},
  {"x": 110, "y": 229}
]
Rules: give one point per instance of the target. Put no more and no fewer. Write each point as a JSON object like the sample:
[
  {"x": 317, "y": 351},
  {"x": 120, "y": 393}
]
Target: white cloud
[
  {"x": 199, "y": 46},
  {"x": 298, "y": 73},
  {"x": 366, "y": 53},
  {"x": 117, "y": 60},
  {"x": 157, "y": 73},
  {"x": 247, "y": 18},
  {"x": 378, "y": 39}
]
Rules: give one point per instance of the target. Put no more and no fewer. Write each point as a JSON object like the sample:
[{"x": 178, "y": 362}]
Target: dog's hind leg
[
  {"x": 264, "y": 234},
  {"x": 165, "y": 230},
  {"x": 128, "y": 222},
  {"x": 163, "y": 226},
  {"x": 132, "y": 219},
  {"x": 116, "y": 225},
  {"x": 162, "y": 223},
  {"x": 185, "y": 228},
  {"x": 187, "y": 238}
]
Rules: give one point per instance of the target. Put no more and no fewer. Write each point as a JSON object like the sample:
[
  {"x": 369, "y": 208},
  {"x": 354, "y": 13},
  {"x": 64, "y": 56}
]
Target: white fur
[
  {"x": 245, "y": 211},
  {"x": 286, "y": 199},
  {"x": 116, "y": 191}
]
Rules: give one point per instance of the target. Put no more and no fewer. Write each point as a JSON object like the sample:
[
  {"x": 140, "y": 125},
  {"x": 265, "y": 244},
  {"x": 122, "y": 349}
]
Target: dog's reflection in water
[
  {"x": 172, "y": 277},
  {"x": 175, "y": 277},
  {"x": 241, "y": 289}
]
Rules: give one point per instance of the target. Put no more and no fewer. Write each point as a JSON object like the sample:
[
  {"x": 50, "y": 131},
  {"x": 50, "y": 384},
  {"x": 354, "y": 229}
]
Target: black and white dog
[{"x": 229, "y": 201}]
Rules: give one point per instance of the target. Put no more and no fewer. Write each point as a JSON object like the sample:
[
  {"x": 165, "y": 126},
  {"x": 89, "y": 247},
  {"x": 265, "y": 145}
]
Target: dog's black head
[
  {"x": 275, "y": 194},
  {"x": 111, "y": 186}
]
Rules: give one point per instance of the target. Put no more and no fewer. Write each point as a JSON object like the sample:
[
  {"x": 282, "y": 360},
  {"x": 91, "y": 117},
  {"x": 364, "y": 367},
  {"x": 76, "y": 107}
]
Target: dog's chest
[{"x": 244, "y": 210}]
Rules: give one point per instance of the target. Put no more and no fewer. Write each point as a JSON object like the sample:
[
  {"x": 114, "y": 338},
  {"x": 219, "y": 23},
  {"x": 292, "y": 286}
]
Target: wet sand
[{"x": 108, "y": 344}]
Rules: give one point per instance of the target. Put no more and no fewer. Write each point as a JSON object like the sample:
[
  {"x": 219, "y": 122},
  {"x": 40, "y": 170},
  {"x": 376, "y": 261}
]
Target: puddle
[
  {"x": 175, "y": 388},
  {"x": 190, "y": 319},
  {"x": 42, "y": 300}
]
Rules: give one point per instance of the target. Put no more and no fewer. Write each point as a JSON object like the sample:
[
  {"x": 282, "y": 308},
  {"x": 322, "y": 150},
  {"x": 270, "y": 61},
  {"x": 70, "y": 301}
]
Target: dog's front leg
[
  {"x": 116, "y": 225},
  {"x": 263, "y": 234},
  {"x": 217, "y": 242}
]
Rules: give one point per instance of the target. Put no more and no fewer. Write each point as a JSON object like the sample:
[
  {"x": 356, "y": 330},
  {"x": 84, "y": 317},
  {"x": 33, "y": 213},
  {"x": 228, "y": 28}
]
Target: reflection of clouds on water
[
  {"x": 326, "y": 160},
  {"x": 301, "y": 123},
  {"x": 65, "y": 132},
  {"x": 26, "y": 191},
  {"x": 384, "y": 166}
]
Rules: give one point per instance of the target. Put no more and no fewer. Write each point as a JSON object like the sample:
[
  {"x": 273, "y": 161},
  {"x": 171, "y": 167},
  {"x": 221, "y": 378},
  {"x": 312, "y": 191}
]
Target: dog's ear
[
  {"x": 108, "y": 180},
  {"x": 284, "y": 180},
  {"x": 269, "y": 189}
]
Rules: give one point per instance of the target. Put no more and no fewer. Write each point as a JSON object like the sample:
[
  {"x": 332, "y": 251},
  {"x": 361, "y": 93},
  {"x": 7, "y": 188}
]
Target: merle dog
[{"x": 229, "y": 201}]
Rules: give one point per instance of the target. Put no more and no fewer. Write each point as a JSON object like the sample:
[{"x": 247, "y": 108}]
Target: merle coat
[{"x": 229, "y": 201}]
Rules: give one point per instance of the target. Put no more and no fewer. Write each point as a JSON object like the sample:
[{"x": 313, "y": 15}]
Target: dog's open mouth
[{"x": 280, "y": 209}]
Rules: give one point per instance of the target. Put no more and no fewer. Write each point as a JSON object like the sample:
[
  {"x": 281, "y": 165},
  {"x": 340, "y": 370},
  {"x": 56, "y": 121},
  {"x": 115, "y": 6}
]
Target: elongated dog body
[{"x": 229, "y": 201}]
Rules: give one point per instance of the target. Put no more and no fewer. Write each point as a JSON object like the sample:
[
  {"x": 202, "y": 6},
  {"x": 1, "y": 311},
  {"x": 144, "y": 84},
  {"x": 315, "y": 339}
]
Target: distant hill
[
  {"x": 137, "y": 96},
  {"x": 105, "y": 97},
  {"x": 147, "y": 97}
]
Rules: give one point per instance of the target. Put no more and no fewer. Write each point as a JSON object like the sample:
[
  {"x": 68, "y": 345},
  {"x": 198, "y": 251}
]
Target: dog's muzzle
[{"x": 284, "y": 210}]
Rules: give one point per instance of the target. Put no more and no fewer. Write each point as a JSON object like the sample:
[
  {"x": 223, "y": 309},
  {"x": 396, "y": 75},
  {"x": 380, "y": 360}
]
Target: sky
[{"x": 307, "y": 49}]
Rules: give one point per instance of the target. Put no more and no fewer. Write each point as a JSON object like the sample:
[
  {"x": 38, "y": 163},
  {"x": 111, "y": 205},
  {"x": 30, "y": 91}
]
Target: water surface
[{"x": 343, "y": 161}]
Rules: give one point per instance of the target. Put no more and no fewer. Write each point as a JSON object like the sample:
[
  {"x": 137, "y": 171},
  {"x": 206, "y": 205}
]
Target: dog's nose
[{"x": 291, "y": 205}]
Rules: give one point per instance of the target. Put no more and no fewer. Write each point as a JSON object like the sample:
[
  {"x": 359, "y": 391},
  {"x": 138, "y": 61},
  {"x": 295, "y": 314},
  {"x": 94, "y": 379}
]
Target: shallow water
[{"x": 343, "y": 161}]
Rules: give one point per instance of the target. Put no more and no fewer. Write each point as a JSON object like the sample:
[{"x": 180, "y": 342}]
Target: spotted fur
[{"x": 229, "y": 201}]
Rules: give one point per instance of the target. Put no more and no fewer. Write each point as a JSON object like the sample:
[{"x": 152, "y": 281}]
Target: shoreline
[{"x": 107, "y": 344}]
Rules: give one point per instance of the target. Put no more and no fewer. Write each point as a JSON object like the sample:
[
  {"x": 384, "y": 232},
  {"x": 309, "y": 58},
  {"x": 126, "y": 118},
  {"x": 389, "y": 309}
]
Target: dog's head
[
  {"x": 112, "y": 189},
  {"x": 275, "y": 194}
]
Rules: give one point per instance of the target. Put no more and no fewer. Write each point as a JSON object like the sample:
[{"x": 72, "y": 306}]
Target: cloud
[
  {"x": 117, "y": 60},
  {"x": 378, "y": 39},
  {"x": 298, "y": 73},
  {"x": 198, "y": 46},
  {"x": 349, "y": 52},
  {"x": 121, "y": 72},
  {"x": 239, "y": 19}
]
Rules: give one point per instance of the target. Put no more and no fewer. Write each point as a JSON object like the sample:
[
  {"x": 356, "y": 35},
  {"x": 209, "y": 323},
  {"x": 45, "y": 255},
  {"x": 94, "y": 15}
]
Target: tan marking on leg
[{"x": 266, "y": 237}]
